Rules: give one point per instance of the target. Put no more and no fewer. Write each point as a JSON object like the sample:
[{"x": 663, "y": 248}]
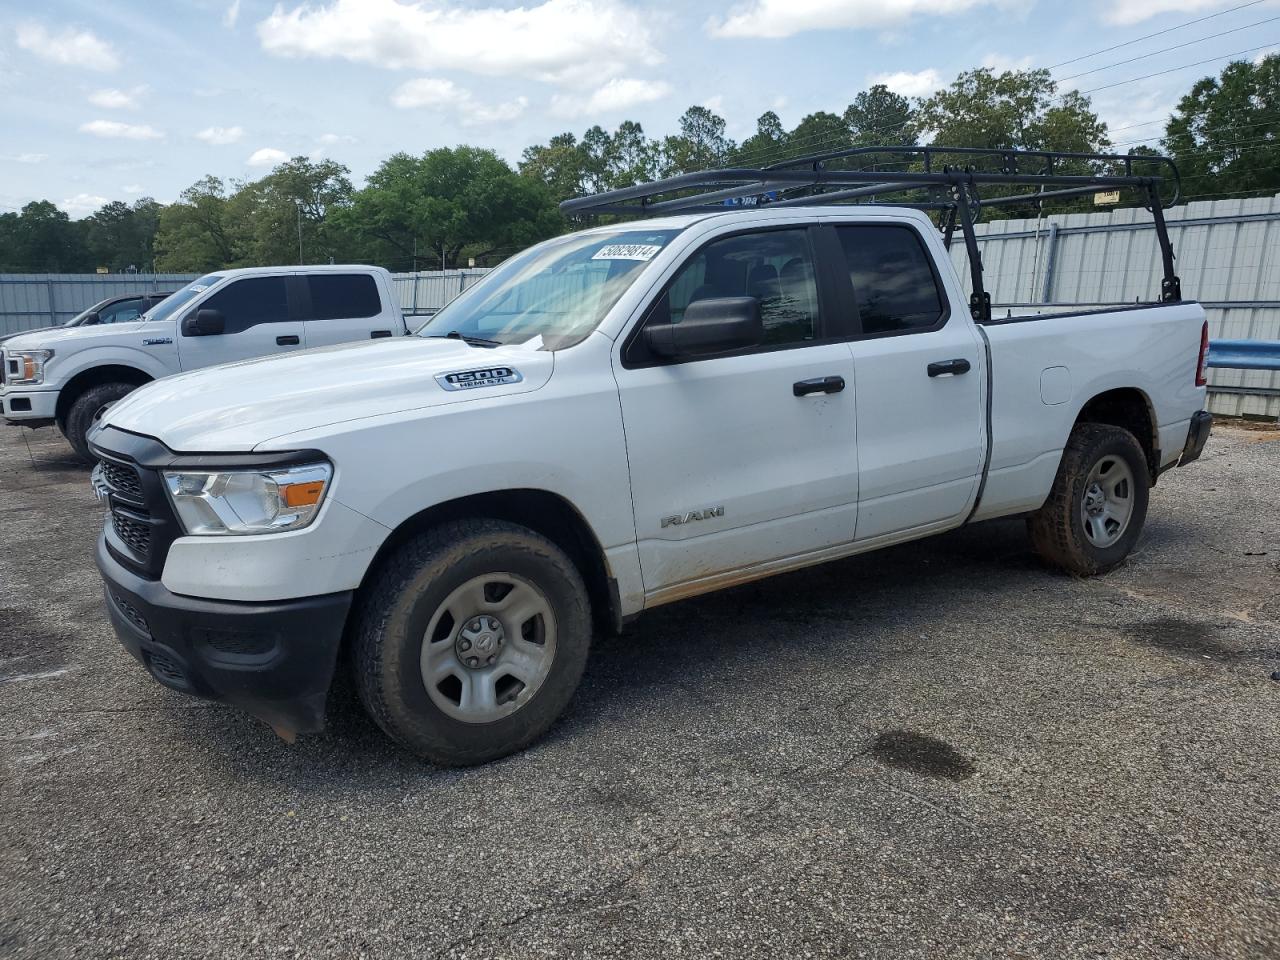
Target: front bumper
[
  {"x": 28, "y": 407},
  {"x": 1197, "y": 436},
  {"x": 274, "y": 660}
]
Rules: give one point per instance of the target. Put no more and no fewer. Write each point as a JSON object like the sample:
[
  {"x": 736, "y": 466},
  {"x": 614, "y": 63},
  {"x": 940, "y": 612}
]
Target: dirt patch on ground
[{"x": 1194, "y": 639}]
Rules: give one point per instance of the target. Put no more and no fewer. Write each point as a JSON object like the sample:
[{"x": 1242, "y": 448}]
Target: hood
[
  {"x": 48, "y": 338},
  {"x": 236, "y": 407},
  {"x": 9, "y": 337}
]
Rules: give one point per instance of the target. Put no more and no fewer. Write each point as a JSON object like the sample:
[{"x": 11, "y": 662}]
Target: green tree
[
  {"x": 766, "y": 145},
  {"x": 46, "y": 240},
  {"x": 192, "y": 235},
  {"x": 559, "y": 165},
  {"x": 120, "y": 236},
  {"x": 1015, "y": 109},
  {"x": 297, "y": 200},
  {"x": 701, "y": 143},
  {"x": 880, "y": 116},
  {"x": 819, "y": 132},
  {"x": 447, "y": 205},
  {"x": 1225, "y": 133}
]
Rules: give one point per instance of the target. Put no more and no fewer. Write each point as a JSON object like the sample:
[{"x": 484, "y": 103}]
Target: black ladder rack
[{"x": 950, "y": 187}]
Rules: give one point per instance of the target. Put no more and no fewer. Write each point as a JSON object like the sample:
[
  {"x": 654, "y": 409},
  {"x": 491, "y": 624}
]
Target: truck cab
[{"x": 69, "y": 375}]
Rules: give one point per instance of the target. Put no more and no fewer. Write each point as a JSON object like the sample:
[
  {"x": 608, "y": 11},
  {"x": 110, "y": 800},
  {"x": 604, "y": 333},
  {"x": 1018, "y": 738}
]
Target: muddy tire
[
  {"x": 85, "y": 412},
  {"x": 470, "y": 641},
  {"x": 1098, "y": 504}
]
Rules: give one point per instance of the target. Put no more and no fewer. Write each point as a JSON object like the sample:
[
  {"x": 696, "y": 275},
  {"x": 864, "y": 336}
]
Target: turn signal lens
[{"x": 302, "y": 494}]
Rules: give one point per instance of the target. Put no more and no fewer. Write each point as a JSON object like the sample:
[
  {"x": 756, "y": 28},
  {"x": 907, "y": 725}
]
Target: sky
[{"x": 114, "y": 101}]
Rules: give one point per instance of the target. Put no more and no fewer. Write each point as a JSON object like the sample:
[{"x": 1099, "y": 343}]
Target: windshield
[
  {"x": 552, "y": 295},
  {"x": 169, "y": 305}
]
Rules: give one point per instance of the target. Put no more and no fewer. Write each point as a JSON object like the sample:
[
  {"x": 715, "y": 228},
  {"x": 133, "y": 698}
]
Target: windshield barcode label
[{"x": 627, "y": 251}]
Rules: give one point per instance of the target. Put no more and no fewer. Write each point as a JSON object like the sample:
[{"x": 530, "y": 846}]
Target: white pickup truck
[
  {"x": 612, "y": 420},
  {"x": 69, "y": 375}
]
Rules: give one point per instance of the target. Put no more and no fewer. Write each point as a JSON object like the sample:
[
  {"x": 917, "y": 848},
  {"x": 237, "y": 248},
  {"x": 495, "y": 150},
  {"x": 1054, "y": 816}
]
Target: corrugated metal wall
[
  {"x": 428, "y": 290},
  {"x": 1228, "y": 256},
  {"x": 30, "y": 300}
]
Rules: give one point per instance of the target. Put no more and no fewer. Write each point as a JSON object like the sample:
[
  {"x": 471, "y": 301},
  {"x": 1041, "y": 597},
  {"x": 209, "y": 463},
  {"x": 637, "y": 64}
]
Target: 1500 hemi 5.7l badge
[{"x": 472, "y": 379}]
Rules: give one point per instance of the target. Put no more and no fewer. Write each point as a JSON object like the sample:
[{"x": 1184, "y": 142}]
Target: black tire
[
  {"x": 397, "y": 606},
  {"x": 85, "y": 409},
  {"x": 1058, "y": 528}
]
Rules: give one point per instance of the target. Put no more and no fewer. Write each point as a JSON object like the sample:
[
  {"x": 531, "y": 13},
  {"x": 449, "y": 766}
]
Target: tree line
[{"x": 454, "y": 206}]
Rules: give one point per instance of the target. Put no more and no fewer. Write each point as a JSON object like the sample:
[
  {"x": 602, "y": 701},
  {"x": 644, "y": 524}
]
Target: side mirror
[
  {"x": 204, "y": 323},
  {"x": 718, "y": 325},
  {"x": 91, "y": 319}
]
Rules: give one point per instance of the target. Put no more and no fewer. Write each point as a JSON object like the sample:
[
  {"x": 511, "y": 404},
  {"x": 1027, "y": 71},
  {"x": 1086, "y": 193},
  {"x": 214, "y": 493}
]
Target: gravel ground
[{"x": 942, "y": 749}]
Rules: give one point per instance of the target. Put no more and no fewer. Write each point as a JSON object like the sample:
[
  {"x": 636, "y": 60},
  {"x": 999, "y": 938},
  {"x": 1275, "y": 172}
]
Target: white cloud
[
  {"x": 266, "y": 157},
  {"x": 26, "y": 157},
  {"x": 121, "y": 131},
  {"x": 582, "y": 41},
  {"x": 620, "y": 93},
  {"x": 784, "y": 18},
  {"x": 232, "y": 15},
  {"x": 714, "y": 103},
  {"x": 82, "y": 204},
  {"x": 440, "y": 94},
  {"x": 428, "y": 92},
  {"x": 1002, "y": 64},
  {"x": 1129, "y": 12},
  {"x": 220, "y": 136},
  {"x": 131, "y": 188},
  {"x": 919, "y": 84},
  {"x": 70, "y": 47},
  {"x": 329, "y": 139},
  {"x": 112, "y": 99}
]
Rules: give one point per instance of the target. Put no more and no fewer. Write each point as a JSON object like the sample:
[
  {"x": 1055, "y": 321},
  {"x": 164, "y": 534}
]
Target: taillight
[{"x": 1201, "y": 364}]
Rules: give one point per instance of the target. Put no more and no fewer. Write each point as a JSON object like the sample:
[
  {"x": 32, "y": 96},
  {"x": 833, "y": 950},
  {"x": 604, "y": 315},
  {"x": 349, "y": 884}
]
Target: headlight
[
  {"x": 238, "y": 502},
  {"x": 26, "y": 366}
]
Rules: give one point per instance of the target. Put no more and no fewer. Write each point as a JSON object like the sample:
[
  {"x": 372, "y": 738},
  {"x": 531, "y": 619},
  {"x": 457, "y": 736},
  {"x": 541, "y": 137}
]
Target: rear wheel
[
  {"x": 471, "y": 640},
  {"x": 1098, "y": 504},
  {"x": 86, "y": 410}
]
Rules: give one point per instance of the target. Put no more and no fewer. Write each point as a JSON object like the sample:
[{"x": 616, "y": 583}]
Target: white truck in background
[
  {"x": 612, "y": 420},
  {"x": 69, "y": 375}
]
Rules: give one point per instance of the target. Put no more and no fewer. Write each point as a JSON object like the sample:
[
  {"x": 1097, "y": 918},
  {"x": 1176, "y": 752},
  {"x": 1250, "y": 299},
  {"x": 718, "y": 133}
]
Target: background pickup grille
[{"x": 135, "y": 533}]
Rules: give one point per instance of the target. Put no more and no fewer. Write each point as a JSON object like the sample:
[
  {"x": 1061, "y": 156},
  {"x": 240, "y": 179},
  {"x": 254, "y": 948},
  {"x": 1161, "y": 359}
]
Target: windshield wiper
[{"x": 474, "y": 341}]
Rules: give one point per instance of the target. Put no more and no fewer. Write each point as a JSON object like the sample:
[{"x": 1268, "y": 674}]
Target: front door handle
[
  {"x": 941, "y": 367},
  {"x": 802, "y": 388},
  {"x": 288, "y": 341}
]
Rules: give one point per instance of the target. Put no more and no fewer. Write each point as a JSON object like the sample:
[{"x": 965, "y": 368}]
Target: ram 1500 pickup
[
  {"x": 612, "y": 420},
  {"x": 69, "y": 375}
]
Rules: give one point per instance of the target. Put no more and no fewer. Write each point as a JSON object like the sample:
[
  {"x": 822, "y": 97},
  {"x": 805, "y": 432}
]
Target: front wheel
[
  {"x": 1098, "y": 503},
  {"x": 86, "y": 410},
  {"x": 471, "y": 640}
]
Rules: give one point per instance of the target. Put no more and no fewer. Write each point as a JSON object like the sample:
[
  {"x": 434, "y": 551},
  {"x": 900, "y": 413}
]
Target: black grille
[
  {"x": 122, "y": 479},
  {"x": 165, "y": 669},
  {"x": 135, "y": 533},
  {"x": 131, "y": 613},
  {"x": 237, "y": 643}
]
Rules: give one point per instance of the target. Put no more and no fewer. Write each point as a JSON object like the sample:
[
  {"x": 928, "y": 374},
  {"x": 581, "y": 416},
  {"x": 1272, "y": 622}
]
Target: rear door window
[
  {"x": 893, "y": 279},
  {"x": 343, "y": 296}
]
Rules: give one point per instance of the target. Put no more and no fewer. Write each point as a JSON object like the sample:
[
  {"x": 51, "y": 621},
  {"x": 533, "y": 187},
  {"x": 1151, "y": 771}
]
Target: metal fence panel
[
  {"x": 30, "y": 300},
  {"x": 1228, "y": 258}
]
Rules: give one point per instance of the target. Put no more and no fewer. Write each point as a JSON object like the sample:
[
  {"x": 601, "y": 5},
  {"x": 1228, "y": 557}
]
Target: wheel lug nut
[
  {"x": 465, "y": 645},
  {"x": 473, "y": 662}
]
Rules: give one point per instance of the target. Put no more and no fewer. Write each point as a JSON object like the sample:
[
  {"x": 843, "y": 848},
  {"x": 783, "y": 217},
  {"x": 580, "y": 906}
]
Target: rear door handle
[
  {"x": 941, "y": 367},
  {"x": 288, "y": 341},
  {"x": 379, "y": 334},
  {"x": 802, "y": 388}
]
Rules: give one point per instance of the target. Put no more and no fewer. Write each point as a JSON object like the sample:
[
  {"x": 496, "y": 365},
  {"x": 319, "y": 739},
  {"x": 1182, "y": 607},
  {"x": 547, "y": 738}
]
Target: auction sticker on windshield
[{"x": 627, "y": 251}]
